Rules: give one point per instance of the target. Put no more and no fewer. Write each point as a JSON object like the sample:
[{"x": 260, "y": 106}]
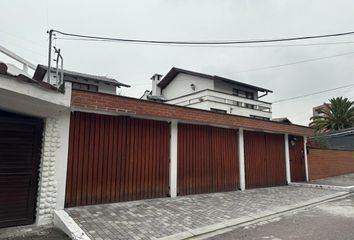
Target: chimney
[
  {"x": 3, "y": 68},
  {"x": 156, "y": 90}
]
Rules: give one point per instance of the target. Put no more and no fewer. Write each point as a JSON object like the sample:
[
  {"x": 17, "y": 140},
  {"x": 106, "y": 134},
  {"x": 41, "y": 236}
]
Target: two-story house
[{"x": 198, "y": 90}]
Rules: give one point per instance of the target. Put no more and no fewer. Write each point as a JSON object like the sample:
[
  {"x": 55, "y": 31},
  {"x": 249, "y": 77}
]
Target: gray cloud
[{"x": 24, "y": 24}]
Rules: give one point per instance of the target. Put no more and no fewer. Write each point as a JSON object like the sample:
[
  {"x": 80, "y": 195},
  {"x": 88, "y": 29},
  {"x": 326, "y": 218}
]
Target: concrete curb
[
  {"x": 322, "y": 186},
  {"x": 64, "y": 222},
  {"x": 193, "y": 233}
]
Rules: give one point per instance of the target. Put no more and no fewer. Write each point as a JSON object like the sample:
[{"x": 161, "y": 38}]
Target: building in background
[
  {"x": 208, "y": 92},
  {"x": 81, "y": 81},
  {"x": 316, "y": 110}
]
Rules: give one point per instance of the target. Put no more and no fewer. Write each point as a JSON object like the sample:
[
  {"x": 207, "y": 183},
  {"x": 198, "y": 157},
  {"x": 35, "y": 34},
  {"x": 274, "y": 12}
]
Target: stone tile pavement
[
  {"x": 342, "y": 180},
  {"x": 157, "y": 218}
]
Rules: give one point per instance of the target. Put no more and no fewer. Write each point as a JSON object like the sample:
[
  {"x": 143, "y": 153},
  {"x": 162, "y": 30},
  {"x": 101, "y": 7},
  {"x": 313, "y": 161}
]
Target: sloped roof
[
  {"x": 41, "y": 71},
  {"x": 175, "y": 71}
]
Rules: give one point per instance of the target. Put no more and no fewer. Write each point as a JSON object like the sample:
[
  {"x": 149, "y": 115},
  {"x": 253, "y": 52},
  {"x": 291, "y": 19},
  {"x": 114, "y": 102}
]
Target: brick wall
[
  {"x": 82, "y": 100},
  {"x": 328, "y": 163}
]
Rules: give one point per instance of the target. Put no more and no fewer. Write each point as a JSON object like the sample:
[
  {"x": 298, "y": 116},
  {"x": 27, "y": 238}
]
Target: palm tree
[{"x": 337, "y": 115}]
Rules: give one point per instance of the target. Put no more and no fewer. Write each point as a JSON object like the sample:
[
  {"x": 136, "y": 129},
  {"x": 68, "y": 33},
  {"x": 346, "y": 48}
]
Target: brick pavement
[{"x": 156, "y": 218}]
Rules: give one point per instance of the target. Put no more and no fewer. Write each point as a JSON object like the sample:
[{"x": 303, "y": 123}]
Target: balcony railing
[{"x": 220, "y": 97}]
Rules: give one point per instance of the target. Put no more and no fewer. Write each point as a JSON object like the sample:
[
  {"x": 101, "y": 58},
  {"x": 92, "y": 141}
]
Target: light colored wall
[
  {"x": 54, "y": 108},
  {"x": 181, "y": 85},
  {"x": 207, "y": 105},
  {"x": 206, "y": 100}
]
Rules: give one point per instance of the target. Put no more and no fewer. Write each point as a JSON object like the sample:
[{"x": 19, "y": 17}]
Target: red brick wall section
[
  {"x": 131, "y": 106},
  {"x": 329, "y": 163}
]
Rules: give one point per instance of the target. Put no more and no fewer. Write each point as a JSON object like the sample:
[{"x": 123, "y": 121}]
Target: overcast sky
[{"x": 24, "y": 24}]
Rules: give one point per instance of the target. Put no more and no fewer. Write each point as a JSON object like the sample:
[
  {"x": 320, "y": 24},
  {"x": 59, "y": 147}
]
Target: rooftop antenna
[
  {"x": 49, "y": 54},
  {"x": 59, "y": 80}
]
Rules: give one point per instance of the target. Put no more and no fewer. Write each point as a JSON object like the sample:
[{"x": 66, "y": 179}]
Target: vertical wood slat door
[
  {"x": 207, "y": 159},
  {"x": 116, "y": 158},
  {"x": 20, "y": 149},
  {"x": 297, "y": 159},
  {"x": 264, "y": 159}
]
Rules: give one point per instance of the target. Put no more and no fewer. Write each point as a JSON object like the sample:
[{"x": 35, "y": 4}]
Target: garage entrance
[
  {"x": 264, "y": 159},
  {"x": 207, "y": 159},
  {"x": 297, "y": 159},
  {"x": 20, "y": 148},
  {"x": 115, "y": 159}
]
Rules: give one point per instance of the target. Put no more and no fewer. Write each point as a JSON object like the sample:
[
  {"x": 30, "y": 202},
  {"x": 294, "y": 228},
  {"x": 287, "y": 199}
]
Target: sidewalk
[{"x": 183, "y": 217}]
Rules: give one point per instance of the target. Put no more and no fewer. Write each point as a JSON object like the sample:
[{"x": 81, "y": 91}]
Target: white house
[{"x": 198, "y": 90}]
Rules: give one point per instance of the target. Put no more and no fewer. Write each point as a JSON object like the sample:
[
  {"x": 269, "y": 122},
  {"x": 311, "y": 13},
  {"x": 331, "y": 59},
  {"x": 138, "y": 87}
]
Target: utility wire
[
  {"x": 311, "y": 94},
  {"x": 228, "y": 42},
  {"x": 216, "y": 46},
  {"x": 290, "y": 63}
]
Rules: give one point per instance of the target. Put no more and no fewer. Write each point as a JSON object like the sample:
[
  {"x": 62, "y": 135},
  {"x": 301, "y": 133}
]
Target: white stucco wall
[
  {"x": 181, "y": 85},
  {"x": 54, "y": 108}
]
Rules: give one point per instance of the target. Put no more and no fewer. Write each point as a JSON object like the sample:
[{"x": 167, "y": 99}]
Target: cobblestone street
[{"x": 157, "y": 218}]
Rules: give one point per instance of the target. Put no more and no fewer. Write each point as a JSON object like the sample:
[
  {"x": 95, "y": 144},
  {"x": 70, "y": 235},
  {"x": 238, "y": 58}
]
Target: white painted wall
[
  {"x": 179, "y": 92},
  {"x": 206, "y": 100},
  {"x": 181, "y": 86},
  {"x": 54, "y": 108},
  {"x": 241, "y": 154},
  {"x": 61, "y": 163},
  {"x": 173, "y": 158}
]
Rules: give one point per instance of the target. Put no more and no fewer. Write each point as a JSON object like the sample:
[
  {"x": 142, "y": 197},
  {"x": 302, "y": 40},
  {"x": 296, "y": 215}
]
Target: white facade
[
  {"x": 54, "y": 108},
  {"x": 212, "y": 94}
]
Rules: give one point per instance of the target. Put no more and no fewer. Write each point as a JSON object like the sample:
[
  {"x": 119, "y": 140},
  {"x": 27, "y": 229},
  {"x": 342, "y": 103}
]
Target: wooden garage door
[
  {"x": 264, "y": 159},
  {"x": 297, "y": 159},
  {"x": 207, "y": 159},
  {"x": 115, "y": 158},
  {"x": 20, "y": 144}
]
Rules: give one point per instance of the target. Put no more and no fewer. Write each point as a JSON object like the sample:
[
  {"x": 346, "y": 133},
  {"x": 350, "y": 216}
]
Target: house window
[
  {"x": 251, "y": 106},
  {"x": 241, "y": 93},
  {"x": 218, "y": 110},
  {"x": 85, "y": 87}
]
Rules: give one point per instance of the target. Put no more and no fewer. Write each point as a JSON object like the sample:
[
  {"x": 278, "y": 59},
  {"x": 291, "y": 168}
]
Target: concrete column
[
  {"x": 241, "y": 154},
  {"x": 173, "y": 159},
  {"x": 287, "y": 158},
  {"x": 63, "y": 120},
  {"x": 305, "y": 157}
]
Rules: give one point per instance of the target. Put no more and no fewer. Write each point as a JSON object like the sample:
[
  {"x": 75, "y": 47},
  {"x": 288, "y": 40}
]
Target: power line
[
  {"x": 218, "y": 46},
  {"x": 228, "y": 42},
  {"x": 311, "y": 94},
  {"x": 290, "y": 63}
]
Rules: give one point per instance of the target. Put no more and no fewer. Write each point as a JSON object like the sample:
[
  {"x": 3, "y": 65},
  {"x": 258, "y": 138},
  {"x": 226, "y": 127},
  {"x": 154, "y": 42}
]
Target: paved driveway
[
  {"x": 156, "y": 218},
  {"x": 343, "y": 181}
]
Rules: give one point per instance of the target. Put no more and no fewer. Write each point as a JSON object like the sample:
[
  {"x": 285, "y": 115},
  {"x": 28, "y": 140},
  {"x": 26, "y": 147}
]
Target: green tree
[{"x": 338, "y": 114}]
